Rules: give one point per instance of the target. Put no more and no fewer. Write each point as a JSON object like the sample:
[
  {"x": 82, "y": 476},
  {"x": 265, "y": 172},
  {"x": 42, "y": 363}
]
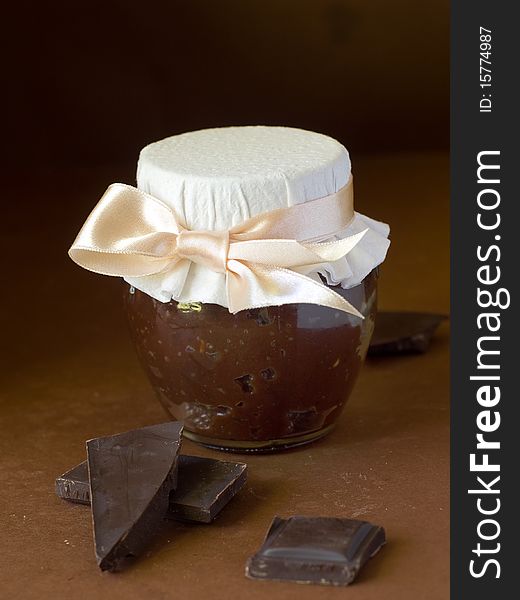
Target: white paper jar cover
[{"x": 217, "y": 178}]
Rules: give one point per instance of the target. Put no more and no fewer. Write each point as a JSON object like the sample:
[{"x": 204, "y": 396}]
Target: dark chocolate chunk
[
  {"x": 73, "y": 485},
  {"x": 323, "y": 550},
  {"x": 246, "y": 383},
  {"x": 204, "y": 487},
  {"x": 403, "y": 332},
  {"x": 131, "y": 476}
]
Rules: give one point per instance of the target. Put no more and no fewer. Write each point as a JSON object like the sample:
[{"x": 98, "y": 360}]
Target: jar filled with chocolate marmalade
[{"x": 263, "y": 378}]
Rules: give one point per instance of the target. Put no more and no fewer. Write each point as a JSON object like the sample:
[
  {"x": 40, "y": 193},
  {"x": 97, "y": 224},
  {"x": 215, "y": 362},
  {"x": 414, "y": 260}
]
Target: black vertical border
[{"x": 471, "y": 133}]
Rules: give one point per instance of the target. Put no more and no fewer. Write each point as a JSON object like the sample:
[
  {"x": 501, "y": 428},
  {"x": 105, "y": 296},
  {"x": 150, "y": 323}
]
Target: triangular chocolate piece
[{"x": 131, "y": 476}]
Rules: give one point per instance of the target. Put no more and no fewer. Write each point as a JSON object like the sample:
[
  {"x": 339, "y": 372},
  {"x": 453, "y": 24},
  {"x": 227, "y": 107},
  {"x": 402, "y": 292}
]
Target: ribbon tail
[
  {"x": 254, "y": 286},
  {"x": 329, "y": 252},
  {"x": 336, "y": 249},
  {"x": 292, "y": 254}
]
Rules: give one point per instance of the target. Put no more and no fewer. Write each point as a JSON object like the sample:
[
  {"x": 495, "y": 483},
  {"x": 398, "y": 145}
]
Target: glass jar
[{"x": 261, "y": 380}]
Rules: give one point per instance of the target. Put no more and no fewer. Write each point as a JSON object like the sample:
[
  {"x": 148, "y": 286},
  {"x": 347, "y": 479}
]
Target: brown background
[
  {"x": 87, "y": 85},
  {"x": 91, "y": 82}
]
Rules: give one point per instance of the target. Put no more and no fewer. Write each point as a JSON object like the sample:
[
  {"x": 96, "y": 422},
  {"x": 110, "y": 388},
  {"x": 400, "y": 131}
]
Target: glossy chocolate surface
[
  {"x": 261, "y": 374},
  {"x": 322, "y": 550},
  {"x": 204, "y": 487},
  {"x": 131, "y": 477}
]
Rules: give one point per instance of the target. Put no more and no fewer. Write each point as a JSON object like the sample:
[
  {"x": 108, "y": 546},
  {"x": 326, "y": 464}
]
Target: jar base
[{"x": 258, "y": 447}]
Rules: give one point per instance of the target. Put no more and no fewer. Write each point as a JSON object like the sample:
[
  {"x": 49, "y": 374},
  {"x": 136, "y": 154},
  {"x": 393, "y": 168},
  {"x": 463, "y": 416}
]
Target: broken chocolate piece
[
  {"x": 131, "y": 476},
  {"x": 403, "y": 332},
  {"x": 204, "y": 487},
  {"x": 322, "y": 550},
  {"x": 73, "y": 485}
]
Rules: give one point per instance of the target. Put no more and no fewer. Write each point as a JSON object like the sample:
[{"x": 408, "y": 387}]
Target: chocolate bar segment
[
  {"x": 73, "y": 485},
  {"x": 131, "y": 476},
  {"x": 320, "y": 550},
  {"x": 403, "y": 332},
  {"x": 204, "y": 487}
]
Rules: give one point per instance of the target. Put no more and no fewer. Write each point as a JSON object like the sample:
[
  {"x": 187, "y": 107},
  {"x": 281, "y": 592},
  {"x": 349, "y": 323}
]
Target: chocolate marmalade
[{"x": 260, "y": 379}]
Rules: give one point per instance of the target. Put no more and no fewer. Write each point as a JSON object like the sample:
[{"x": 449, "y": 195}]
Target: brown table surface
[{"x": 69, "y": 373}]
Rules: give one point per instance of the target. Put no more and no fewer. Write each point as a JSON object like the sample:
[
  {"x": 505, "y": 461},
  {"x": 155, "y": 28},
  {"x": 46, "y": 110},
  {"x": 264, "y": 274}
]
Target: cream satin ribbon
[{"x": 266, "y": 259}]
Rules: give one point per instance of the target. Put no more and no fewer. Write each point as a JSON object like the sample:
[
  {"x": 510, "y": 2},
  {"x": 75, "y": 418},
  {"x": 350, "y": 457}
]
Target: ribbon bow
[{"x": 265, "y": 259}]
